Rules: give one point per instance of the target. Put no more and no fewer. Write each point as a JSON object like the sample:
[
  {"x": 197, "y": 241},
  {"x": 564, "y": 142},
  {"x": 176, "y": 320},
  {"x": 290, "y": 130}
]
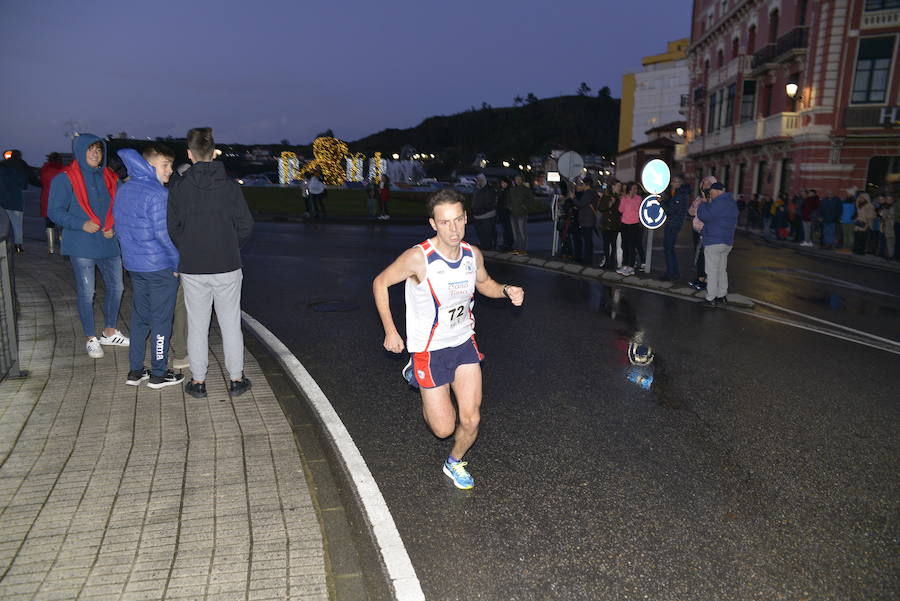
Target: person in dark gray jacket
[{"x": 484, "y": 212}]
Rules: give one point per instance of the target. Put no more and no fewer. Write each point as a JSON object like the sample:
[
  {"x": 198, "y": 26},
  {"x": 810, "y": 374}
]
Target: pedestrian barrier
[{"x": 9, "y": 340}]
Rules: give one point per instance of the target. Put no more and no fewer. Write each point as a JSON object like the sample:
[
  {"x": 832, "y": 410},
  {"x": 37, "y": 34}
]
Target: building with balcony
[
  {"x": 793, "y": 94},
  {"x": 655, "y": 96}
]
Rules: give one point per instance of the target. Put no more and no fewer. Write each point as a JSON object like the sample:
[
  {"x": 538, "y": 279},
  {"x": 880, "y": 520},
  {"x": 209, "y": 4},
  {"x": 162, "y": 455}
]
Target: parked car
[{"x": 255, "y": 179}]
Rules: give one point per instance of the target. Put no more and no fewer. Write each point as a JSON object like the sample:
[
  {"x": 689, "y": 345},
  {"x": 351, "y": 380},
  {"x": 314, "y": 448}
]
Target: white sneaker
[
  {"x": 94, "y": 350},
  {"x": 116, "y": 339}
]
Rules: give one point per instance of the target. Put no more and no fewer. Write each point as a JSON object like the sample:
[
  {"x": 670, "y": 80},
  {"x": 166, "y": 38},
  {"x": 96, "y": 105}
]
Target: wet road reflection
[{"x": 758, "y": 455}]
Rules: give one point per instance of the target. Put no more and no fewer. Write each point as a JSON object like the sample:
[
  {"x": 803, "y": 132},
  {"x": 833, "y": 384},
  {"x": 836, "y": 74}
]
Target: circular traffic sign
[
  {"x": 570, "y": 164},
  {"x": 655, "y": 176},
  {"x": 651, "y": 212}
]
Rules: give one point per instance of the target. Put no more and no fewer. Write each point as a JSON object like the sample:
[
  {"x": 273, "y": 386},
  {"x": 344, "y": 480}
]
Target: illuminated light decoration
[
  {"x": 355, "y": 167},
  {"x": 288, "y": 166},
  {"x": 377, "y": 166},
  {"x": 328, "y": 157},
  {"x": 7, "y": 155}
]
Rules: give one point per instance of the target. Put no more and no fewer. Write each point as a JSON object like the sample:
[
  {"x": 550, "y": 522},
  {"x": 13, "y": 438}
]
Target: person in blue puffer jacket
[
  {"x": 151, "y": 260},
  {"x": 81, "y": 202}
]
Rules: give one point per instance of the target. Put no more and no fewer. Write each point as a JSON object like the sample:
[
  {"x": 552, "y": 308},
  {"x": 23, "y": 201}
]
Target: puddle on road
[{"x": 833, "y": 301}]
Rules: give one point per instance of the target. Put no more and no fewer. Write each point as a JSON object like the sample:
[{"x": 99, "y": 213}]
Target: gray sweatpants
[
  {"x": 716, "y": 256},
  {"x": 201, "y": 293}
]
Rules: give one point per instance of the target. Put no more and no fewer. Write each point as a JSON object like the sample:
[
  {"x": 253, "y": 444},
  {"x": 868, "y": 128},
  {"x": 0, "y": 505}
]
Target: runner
[{"x": 442, "y": 274}]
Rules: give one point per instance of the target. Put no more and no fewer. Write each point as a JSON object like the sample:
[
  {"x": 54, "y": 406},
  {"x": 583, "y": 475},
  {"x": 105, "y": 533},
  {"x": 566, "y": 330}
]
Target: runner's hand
[
  {"x": 90, "y": 227},
  {"x": 108, "y": 233},
  {"x": 393, "y": 343},
  {"x": 516, "y": 295}
]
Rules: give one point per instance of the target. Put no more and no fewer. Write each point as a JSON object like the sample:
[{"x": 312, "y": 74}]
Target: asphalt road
[{"x": 761, "y": 464}]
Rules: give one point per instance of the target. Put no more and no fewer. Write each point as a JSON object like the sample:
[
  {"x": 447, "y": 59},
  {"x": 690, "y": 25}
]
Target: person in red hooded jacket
[{"x": 49, "y": 170}]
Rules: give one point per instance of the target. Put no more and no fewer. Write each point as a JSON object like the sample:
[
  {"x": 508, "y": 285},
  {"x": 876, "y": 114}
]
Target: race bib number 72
[{"x": 454, "y": 316}]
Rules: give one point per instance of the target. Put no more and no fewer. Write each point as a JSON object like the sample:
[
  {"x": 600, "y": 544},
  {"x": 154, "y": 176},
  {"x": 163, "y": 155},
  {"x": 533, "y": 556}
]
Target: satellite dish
[
  {"x": 655, "y": 176},
  {"x": 571, "y": 165}
]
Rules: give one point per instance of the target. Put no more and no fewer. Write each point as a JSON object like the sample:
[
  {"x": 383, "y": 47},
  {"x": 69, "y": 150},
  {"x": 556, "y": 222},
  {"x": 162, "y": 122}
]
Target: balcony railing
[
  {"x": 780, "y": 125},
  {"x": 795, "y": 39},
  {"x": 776, "y": 126}
]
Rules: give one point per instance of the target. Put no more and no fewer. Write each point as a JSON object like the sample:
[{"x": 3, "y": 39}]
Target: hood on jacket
[
  {"x": 137, "y": 165},
  {"x": 207, "y": 175},
  {"x": 80, "y": 145}
]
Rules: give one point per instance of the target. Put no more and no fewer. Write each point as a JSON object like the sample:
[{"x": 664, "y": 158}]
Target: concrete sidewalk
[{"x": 113, "y": 492}]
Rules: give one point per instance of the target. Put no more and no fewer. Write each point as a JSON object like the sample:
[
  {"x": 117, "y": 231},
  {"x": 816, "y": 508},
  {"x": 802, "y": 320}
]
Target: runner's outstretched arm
[
  {"x": 492, "y": 289},
  {"x": 410, "y": 264}
]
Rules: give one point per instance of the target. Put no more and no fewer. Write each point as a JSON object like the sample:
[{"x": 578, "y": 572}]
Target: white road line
[
  {"x": 815, "y": 329},
  {"x": 826, "y": 322},
  {"x": 399, "y": 568}
]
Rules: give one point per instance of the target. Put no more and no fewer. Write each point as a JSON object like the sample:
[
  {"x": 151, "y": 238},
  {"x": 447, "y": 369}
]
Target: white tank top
[{"x": 439, "y": 308}]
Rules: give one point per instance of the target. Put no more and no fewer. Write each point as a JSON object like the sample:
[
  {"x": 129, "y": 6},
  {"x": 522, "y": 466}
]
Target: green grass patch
[{"x": 287, "y": 201}]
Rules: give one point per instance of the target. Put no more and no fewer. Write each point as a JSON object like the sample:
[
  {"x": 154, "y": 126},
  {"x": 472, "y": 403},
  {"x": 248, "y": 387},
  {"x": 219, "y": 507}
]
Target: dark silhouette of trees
[
  {"x": 531, "y": 98},
  {"x": 583, "y": 89},
  {"x": 604, "y": 92}
]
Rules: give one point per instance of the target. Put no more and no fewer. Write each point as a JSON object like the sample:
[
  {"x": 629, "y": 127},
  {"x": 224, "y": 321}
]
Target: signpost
[
  {"x": 655, "y": 178},
  {"x": 570, "y": 165}
]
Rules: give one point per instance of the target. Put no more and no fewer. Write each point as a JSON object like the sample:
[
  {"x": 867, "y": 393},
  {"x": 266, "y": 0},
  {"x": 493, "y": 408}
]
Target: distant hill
[{"x": 582, "y": 123}]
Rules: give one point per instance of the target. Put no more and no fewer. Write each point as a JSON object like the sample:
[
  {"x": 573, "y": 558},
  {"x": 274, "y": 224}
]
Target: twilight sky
[{"x": 258, "y": 72}]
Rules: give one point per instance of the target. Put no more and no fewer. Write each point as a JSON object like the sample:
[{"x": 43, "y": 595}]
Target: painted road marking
[
  {"x": 811, "y": 276},
  {"x": 396, "y": 560}
]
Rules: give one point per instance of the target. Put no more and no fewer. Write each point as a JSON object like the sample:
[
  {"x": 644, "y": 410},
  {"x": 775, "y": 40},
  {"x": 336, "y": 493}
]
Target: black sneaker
[
  {"x": 196, "y": 389},
  {"x": 239, "y": 387},
  {"x": 710, "y": 304},
  {"x": 170, "y": 378},
  {"x": 137, "y": 376},
  {"x": 722, "y": 301}
]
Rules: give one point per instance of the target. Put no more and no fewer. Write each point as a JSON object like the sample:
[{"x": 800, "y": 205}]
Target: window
[
  {"x": 720, "y": 58},
  {"x": 726, "y": 176},
  {"x": 729, "y": 105},
  {"x": 748, "y": 99},
  {"x": 711, "y": 126},
  {"x": 735, "y": 47},
  {"x": 882, "y": 4},
  {"x": 767, "y": 100},
  {"x": 773, "y": 26},
  {"x": 873, "y": 66},
  {"x": 705, "y": 69},
  {"x": 751, "y": 39},
  {"x": 721, "y": 118},
  {"x": 739, "y": 180},
  {"x": 801, "y": 12}
]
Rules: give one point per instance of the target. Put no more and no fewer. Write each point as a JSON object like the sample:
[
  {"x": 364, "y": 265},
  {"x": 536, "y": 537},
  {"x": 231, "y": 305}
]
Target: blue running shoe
[
  {"x": 409, "y": 376},
  {"x": 456, "y": 471}
]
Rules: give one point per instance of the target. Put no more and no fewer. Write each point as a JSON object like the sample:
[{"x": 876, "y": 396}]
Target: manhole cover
[{"x": 333, "y": 306}]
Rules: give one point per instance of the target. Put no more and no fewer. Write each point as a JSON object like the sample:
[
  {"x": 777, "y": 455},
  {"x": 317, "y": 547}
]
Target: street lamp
[
  {"x": 506, "y": 163},
  {"x": 395, "y": 156},
  {"x": 791, "y": 90},
  {"x": 679, "y": 131}
]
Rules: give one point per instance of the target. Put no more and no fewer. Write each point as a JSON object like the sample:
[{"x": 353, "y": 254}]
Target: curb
[
  {"x": 610, "y": 277},
  {"x": 395, "y": 560},
  {"x": 864, "y": 260}
]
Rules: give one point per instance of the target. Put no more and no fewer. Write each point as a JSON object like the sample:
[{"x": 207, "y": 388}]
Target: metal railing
[
  {"x": 9, "y": 306},
  {"x": 795, "y": 39}
]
